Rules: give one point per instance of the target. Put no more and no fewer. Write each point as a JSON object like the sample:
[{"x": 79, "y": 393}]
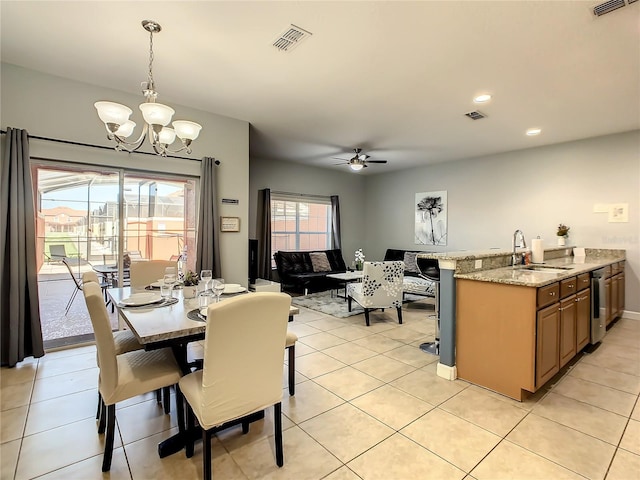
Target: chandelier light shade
[
  {"x": 156, "y": 116},
  {"x": 356, "y": 166}
]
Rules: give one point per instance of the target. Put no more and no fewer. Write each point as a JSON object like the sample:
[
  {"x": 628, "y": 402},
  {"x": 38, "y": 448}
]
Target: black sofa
[{"x": 296, "y": 272}]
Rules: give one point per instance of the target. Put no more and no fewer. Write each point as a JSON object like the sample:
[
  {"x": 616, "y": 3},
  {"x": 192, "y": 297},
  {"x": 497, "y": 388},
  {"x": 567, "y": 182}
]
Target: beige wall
[{"x": 50, "y": 106}]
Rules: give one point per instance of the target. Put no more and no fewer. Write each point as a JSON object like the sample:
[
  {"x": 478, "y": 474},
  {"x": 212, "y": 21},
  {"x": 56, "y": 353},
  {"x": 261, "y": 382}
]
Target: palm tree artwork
[{"x": 431, "y": 218}]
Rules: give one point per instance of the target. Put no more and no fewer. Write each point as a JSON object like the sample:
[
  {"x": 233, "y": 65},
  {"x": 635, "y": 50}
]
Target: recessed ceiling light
[
  {"x": 534, "y": 131},
  {"x": 485, "y": 97}
]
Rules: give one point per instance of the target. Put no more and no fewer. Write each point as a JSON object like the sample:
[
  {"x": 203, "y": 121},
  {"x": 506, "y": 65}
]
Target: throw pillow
[
  {"x": 320, "y": 262},
  {"x": 410, "y": 262}
]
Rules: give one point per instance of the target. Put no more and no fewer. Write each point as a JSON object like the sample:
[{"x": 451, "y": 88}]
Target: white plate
[
  {"x": 138, "y": 299},
  {"x": 157, "y": 284},
  {"x": 233, "y": 288},
  {"x": 203, "y": 311}
]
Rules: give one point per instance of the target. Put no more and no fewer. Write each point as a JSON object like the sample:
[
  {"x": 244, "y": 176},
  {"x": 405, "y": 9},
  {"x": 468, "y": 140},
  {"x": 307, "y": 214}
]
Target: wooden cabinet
[
  {"x": 547, "y": 344},
  {"x": 607, "y": 295},
  {"x": 567, "y": 330},
  {"x": 621, "y": 286},
  {"x": 583, "y": 318}
]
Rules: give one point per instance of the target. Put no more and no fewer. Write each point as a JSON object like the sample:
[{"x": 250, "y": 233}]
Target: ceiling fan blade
[
  {"x": 363, "y": 157},
  {"x": 338, "y": 158},
  {"x": 343, "y": 163},
  {"x": 376, "y": 161}
]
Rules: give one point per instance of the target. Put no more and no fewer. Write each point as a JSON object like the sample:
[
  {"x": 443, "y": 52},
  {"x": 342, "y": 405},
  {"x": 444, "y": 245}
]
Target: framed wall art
[
  {"x": 229, "y": 224},
  {"x": 431, "y": 218}
]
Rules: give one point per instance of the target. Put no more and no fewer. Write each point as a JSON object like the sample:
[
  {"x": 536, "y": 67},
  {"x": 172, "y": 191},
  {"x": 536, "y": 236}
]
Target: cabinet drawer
[
  {"x": 615, "y": 268},
  {"x": 607, "y": 271},
  {"x": 584, "y": 281},
  {"x": 548, "y": 295},
  {"x": 620, "y": 267},
  {"x": 568, "y": 287}
]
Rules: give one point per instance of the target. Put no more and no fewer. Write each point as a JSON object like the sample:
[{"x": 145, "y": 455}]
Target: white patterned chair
[{"x": 381, "y": 287}]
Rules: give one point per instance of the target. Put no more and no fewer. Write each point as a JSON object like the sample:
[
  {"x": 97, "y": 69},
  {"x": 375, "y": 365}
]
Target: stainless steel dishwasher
[{"x": 598, "y": 306}]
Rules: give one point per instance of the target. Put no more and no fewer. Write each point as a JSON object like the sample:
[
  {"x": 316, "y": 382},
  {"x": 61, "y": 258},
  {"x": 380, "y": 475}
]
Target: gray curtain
[
  {"x": 264, "y": 233},
  {"x": 20, "y": 330},
  {"x": 335, "y": 221},
  {"x": 208, "y": 243}
]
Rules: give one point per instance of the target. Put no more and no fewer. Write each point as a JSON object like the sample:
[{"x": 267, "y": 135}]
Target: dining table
[
  {"x": 110, "y": 273},
  {"x": 172, "y": 323}
]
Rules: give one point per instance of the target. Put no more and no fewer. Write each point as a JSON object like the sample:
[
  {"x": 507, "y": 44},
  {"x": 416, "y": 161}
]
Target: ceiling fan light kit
[
  {"x": 156, "y": 116},
  {"x": 358, "y": 161}
]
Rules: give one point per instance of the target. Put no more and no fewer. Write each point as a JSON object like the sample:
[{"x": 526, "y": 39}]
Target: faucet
[{"x": 521, "y": 244}]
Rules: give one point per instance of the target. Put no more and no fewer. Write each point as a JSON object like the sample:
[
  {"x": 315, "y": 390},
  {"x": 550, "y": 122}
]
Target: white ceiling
[{"x": 394, "y": 78}]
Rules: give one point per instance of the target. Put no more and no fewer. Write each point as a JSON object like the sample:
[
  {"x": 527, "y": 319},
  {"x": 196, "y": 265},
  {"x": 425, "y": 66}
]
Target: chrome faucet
[{"x": 521, "y": 244}]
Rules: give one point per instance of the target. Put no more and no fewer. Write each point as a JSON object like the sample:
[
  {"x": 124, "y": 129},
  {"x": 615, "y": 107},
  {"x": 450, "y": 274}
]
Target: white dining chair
[
  {"x": 142, "y": 274},
  {"x": 126, "y": 375},
  {"x": 242, "y": 372}
]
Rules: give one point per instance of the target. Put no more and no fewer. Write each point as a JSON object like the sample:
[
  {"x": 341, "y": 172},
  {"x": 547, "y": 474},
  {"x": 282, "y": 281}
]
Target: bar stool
[{"x": 430, "y": 270}]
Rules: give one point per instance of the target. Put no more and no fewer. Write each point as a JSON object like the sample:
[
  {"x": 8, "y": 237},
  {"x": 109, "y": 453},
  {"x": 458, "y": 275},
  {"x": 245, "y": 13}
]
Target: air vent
[
  {"x": 607, "y": 7},
  {"x": 291, "y": 38},
  {"x": 475, "y": 115}
]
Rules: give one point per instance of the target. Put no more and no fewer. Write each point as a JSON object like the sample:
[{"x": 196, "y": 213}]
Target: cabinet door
[
  {"x": 607, "y": 301},
  {"x": 621, "y": 285},
  {"x": 547, "y": 344},
  {"x": 614, "y": 297},
  {"x": 583, "y": 319},
  {"x": 567, "y": 329}
]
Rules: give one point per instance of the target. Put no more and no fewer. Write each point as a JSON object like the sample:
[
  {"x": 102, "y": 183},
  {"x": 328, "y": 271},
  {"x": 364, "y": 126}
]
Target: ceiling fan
[{"x": 359, "y": 160}]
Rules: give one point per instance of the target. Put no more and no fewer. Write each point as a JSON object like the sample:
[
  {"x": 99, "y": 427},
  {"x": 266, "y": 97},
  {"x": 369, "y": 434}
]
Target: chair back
[
  {"x": 104, "y": 338},
  {"x": 75, "y": 279},
  {"x": 90, "y": 276},
  {"x": 57, "y": 251},
  {"x": 243, "y": 356},
  {"x": 382, "y": 284},
  {"x": 142, "y": 274}
]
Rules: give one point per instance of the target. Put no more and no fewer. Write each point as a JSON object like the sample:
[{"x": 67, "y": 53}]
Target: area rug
[{"x": 336, "y": 306}]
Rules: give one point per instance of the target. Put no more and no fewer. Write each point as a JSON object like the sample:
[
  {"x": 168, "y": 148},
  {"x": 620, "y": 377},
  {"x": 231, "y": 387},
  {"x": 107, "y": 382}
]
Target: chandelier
[{"x": 156, "y": 116}]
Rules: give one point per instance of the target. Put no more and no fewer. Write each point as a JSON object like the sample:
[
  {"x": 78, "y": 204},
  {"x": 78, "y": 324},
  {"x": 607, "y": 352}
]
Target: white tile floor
[{"x": 368, "y": 405}]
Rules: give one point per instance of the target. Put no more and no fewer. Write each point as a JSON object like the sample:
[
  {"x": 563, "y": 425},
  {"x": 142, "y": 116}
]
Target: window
[{"x": 300, "y": 223}]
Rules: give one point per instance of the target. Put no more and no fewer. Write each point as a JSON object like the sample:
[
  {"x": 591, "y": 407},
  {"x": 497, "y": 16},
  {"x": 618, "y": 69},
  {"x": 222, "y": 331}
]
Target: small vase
[
  {"x": 562, "y": 241},
  {"x": 358, "y": 266},
  {"x": 190, "y": 291}
]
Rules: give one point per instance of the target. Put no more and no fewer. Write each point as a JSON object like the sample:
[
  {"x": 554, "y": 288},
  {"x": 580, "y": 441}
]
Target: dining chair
[
  {"x": 77, "y": 284},
  {"x": 242, "y": 371},
  {"x": 381, "y": 287},
  {"x": 126, "y": 375},
  {"x": 290, "y": 346},
  {"x": 145, "y": 273}
]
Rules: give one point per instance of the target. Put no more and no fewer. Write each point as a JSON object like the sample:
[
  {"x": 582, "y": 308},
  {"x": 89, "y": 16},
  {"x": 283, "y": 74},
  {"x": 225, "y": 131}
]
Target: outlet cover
[{"x": 478, "y": 264}]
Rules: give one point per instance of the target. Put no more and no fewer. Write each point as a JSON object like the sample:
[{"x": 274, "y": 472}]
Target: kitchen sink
[{"x": 547, "y": 269}]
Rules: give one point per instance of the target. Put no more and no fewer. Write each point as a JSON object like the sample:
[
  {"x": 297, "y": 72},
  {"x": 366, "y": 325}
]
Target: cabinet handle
[
  {"x": 552, "y": 294},
  {"x": 570, "y": 286}
]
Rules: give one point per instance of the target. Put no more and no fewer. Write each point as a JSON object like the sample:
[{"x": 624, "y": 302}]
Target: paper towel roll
[{"x": 537, "y": 250}]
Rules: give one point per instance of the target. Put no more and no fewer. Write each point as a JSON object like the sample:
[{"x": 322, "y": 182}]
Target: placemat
[{"x": 195, "y": 315}]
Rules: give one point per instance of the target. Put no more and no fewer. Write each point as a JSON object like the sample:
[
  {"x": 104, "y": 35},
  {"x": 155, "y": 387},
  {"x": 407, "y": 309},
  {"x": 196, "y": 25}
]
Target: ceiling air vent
[
  {"x": 607, "y": 7},
  {"x": 475, "y": 115},
  {"x": 291, "y": 38}
]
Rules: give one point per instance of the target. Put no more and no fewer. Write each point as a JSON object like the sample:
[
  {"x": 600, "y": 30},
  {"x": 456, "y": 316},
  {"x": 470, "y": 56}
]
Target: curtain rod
[
  {"x": 80, "y": 144},
  {"x": 292, "y": 194}
]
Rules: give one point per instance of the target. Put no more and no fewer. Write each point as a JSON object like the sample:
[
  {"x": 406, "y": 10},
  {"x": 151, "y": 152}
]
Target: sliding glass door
[{"x": 87, "y": 217}]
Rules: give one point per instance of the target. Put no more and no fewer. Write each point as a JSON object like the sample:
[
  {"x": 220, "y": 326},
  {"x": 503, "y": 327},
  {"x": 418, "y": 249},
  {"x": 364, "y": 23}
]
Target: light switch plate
[{"x": 478, "y": 264}]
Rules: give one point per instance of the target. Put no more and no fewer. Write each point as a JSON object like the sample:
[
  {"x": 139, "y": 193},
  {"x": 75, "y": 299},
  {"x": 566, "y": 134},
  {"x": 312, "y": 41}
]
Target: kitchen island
[{"x": 517, "y": 326}]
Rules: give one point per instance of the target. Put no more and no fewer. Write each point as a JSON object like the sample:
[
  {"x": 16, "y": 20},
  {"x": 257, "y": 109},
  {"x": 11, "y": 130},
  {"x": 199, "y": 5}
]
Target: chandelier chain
[{"x": 151, "y": 82}]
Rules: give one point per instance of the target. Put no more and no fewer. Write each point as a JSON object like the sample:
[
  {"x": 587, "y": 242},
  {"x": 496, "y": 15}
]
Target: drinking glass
[
  {"x": 218, "y": 288},
  {"x": 165, "y": 290},
  {"x": 206, "y": 276},
  {"x": 170, "y": 275}
]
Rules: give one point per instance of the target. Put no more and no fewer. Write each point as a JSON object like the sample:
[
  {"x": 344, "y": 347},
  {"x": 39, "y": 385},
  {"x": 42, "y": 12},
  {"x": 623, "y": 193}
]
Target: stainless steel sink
[{"x": 547, "y": 269}]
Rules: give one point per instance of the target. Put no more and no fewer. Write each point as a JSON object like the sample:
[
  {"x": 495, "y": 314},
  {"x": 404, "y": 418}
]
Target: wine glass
[
  {"x": 218, "y": 288},
  {"x": 206, "y": 276},
  {"x": 170, "y": 276}
]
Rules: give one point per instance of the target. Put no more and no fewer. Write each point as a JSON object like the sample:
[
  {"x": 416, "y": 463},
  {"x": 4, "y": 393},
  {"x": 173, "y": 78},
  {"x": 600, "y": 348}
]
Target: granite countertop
[
  {"x": 486, "y": 253},
  {"x": 520, "y": 275}
]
